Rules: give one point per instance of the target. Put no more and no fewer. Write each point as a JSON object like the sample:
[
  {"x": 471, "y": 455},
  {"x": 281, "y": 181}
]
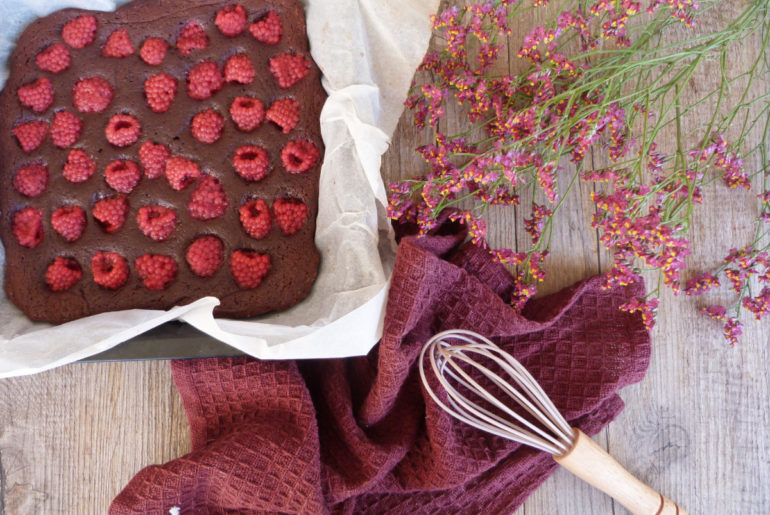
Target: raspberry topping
[
  {"x": 299, "y": 156},
  {"x": 192, "y": 37},
  {"x": 153, "y": 51},
  {"x": 284, "y": 113},
  {"x": 251, "y": 162},
  {"x": 247, "y": 113},
  {"x": 30, "y": 134},
  {"x": 160, "y": 91},
  {"x": 204, "y": 255},
  {"x": 66, "y": 129},
  {"x": 180, "y": 172},
  {"x": 118, "y": 45},
  {"x": 79, "y": 166},
  {"x": 54, "y": 58},
  {"x": 92, "y": 95},
  {"x": 156, "y": 271},
  {"x": 122, "y": 176},
  {"x": 290, "y": 214},
  {"x": 122, "y": 130},
  {"x": 28, "y": 227},
  {"x": 37, "y": 95},
  {"x": 239, "y": 69},
  {"x": 157, "y": 222},
  {"x": 249, "y": 267},
  {"x": 231, "y": 20},
  {"x": 208, "y": 200},
  {"x": 288, "y": 69},
  {"x": 153, "y": 157},
  {"x": 207, "y": 126},
  {"x": 255, "y": 218},
  {"x": 268, "y": 29},
  {"x": 62, "y": 274},
  {"x": 69, "y": 222},
  {"x": 111, "y": 213},
  {"x": 110, "y": 269},
  {"x": 79, "y": 32},
  {"x": 203, "y": 80},
  {"x": 30, "y": 180}
]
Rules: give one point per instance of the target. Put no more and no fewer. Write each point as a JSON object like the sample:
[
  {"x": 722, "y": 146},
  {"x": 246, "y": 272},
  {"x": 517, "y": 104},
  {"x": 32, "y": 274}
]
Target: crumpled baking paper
[{"x": 367, "y": 51}]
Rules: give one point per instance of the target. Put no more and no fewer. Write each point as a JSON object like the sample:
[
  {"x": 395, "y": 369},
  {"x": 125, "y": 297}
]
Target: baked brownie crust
[{"x": 294, "y": 258}]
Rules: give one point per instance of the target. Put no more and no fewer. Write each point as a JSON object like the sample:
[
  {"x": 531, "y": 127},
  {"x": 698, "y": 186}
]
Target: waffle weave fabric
[{"x": 361, "y": 435}]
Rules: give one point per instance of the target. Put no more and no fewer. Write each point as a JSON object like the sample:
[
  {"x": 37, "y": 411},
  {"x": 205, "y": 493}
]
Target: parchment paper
[{"x": 367, "y": 51}]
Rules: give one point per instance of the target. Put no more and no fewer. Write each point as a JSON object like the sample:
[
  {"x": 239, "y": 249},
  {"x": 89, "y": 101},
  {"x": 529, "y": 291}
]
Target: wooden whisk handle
[{"x": 593, "y": 465}]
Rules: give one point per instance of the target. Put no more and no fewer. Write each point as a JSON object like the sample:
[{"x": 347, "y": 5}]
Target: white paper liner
[{"x": 367, "y": 51}]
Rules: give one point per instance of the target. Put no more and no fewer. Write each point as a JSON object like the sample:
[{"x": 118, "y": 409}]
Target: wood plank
[{"x": 71, "y": 438}]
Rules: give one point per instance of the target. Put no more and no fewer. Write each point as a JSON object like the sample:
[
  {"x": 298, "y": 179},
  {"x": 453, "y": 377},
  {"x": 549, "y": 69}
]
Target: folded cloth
[{"x": 361, "y": 435}]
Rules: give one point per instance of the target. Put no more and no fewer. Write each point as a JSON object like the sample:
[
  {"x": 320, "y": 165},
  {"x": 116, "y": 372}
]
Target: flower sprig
[{"x": 599, "y": 77}]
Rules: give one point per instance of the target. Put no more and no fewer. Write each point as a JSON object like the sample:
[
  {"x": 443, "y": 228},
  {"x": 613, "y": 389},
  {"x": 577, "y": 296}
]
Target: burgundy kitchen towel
[{"x": 361, "y": 435}]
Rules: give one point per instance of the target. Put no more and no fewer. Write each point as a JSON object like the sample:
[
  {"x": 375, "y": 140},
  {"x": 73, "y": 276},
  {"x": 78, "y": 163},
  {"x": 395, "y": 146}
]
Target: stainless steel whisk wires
[
  {"x": 453, "y": 353},
  {"x": 444, "y": 358}
]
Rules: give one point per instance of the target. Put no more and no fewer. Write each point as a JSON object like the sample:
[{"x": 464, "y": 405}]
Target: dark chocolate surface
[{"x": 294, "y": 259}]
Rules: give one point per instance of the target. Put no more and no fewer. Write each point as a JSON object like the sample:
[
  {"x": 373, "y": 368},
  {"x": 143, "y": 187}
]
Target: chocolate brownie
[{"x": 164, "y": 152}]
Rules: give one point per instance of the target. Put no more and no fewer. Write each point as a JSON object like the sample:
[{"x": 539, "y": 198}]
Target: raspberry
[
  {"x": 37, "y": 95},
  {"x": 156, "y": 271},
  {"x": 207, "y": 126},
  {"x": 69, "y": 221},
  {"x": 192, "y": 37},
  {"x": 54, "y": 58},
  {"x": 66, "y": 129},
  {"x": 118, "y": 45},
  {"x": 153, "y": 157},
  {"x": 111, "y": 213},
  {"x": 203, "y": 80},
  {"x": 79, "y": 166},
  {"x": 204, "y": 255},
  {"x": 208, "y": 200},
  {"x": 239, "y": 69},
  {"x": 284, "y": 112},
  {"x": 249, "y": 267},
  {"x": 290, "y": 214},
  {"x": 62, "y": 274},
  {"x": 153, "y": 51},
  {"x": 299, "y": 156},
  {"x": 180, "y": 172},
  {"x": 255, "y": 218},
  {"x": 122, "y": 130},
  {"x": 30, "y": 180},
  {"x": 247, "y": 113},
  {"x": 157, "y": 222},
  {"x": 288, "y": 69},
  {"x": 79, "y": 32},
  {"x": 110, "y": 269},
  {"x": 251, "y": 162},
  {"x": 28, "y": 227},
  {"x": 268, "y": 29},
  {"x": 30, "y": 134},
  {"x": 122, "y": 176},
  {"x": 231, "y": 20},
  {"x": 160, "y": 91},
  {"x": 92, "y": 95}
]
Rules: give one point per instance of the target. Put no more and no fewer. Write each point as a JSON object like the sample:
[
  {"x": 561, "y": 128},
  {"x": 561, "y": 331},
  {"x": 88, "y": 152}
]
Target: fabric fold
[{"x": 361, "y": 434}]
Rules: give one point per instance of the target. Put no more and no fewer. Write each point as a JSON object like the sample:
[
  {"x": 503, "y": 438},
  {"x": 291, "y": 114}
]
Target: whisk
[{"x": 451, "y": 356}]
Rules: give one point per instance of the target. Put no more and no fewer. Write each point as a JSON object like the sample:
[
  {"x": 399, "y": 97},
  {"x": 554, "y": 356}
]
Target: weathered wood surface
[{"x": 697, "y": 428}]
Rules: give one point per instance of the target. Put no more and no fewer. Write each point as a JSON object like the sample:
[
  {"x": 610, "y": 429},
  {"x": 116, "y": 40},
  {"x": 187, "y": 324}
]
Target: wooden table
[{"x": 696, "y": 428}]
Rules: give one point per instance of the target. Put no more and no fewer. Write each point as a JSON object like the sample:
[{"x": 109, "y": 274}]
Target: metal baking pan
[{"x": 173, "y": 340}]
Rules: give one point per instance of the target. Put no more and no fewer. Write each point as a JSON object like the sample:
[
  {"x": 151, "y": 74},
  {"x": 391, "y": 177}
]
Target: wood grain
[
  {"x": 71, "y": 438},
  {"x": 696, "y": 428}
]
